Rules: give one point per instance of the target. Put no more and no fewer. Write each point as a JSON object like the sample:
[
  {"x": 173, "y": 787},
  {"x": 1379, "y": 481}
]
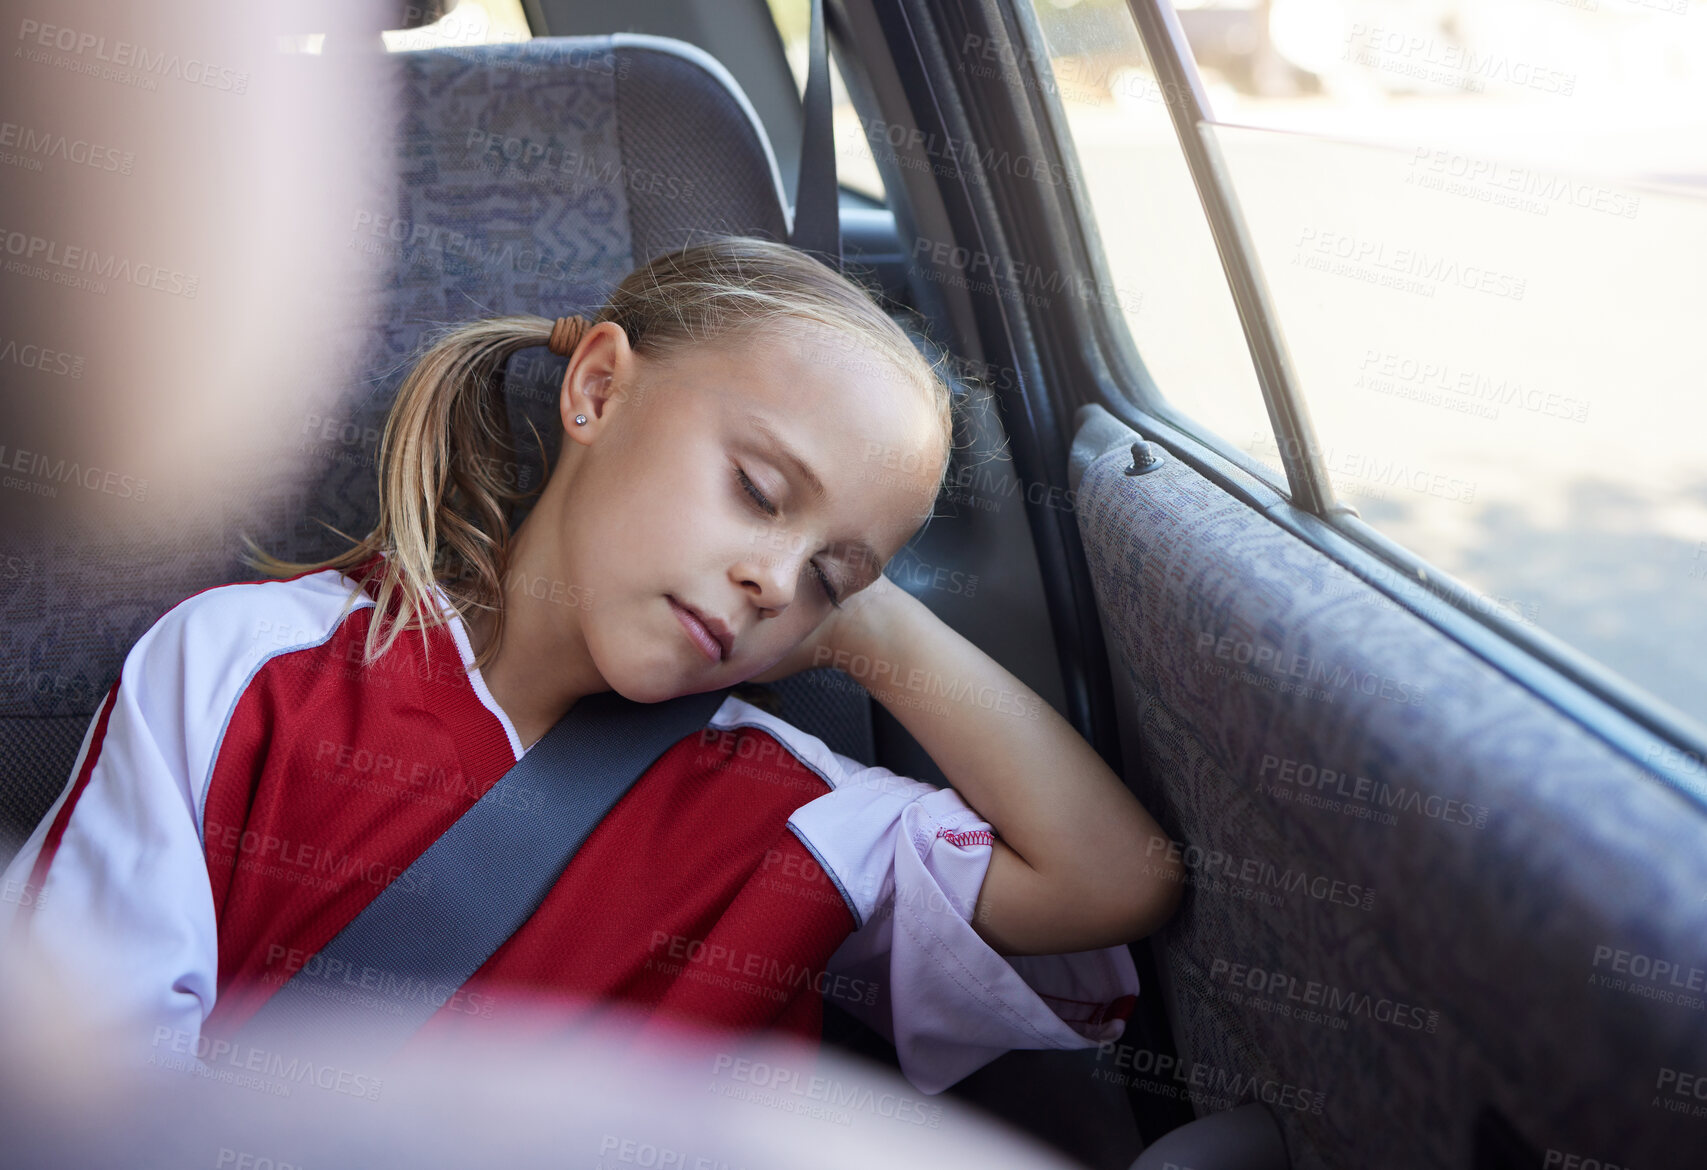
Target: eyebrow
[
  {"x": 785, "y": 454},
  {"x": 857, "y": 550}
]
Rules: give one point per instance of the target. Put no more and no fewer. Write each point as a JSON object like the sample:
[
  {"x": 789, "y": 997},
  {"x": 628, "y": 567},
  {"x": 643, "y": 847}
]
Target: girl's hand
[{"x": 819, "y": 648}]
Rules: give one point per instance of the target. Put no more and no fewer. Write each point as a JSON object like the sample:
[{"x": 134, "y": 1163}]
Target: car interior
[{"x": 1218, "y": 633}]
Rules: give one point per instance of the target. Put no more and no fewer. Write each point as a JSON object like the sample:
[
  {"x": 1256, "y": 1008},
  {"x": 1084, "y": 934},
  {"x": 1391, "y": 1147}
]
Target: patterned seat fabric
[
  {"x": 525, "y": 178},
  {"x": 1415, "y": 889}
]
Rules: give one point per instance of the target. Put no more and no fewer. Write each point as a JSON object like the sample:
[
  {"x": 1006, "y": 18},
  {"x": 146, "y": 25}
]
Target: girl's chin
[{"x": 658, "y": 682}]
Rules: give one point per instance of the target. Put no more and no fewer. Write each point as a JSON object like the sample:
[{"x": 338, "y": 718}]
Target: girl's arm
[
  {"x": 1079, "y": 864},
  {"x": 120, "y": 915}
]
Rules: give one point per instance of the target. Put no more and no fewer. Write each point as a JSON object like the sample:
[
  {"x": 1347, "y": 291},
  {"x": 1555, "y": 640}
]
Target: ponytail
[{"x": 444, "y": 500}]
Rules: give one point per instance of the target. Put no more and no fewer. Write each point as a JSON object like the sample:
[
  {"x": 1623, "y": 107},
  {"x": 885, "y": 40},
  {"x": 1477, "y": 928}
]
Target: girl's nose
[{"x": 775, "y": 576}]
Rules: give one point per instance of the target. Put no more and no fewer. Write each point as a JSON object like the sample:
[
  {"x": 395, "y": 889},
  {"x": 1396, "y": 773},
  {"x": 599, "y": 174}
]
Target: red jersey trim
[
  {"x": 56, "y": 832},
  {"x": 1090, "y": 1012},
  {"x": 351, "y": 607}
]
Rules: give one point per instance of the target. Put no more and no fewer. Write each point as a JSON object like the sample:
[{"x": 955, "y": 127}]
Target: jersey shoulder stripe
[
  {"x": 850, "y": 830},
  {"x": 182, "y": 679},
  {"x": 60, "y": 815},
  {"x": 735, "y": 714},
  {"x": 226, "y": 635}
]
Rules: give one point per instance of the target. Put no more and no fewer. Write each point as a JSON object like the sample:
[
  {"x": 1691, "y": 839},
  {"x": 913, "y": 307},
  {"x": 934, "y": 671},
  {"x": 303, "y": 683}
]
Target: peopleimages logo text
[
  {"x": 42, "y": 258},
  {"x": 129, "y": 56}
]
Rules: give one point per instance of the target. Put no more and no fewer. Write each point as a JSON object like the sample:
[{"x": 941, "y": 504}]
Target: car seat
[{"x": 637, "y": 145}]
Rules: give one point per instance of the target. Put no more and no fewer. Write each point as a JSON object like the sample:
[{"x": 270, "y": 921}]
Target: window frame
[{"x": 1188, "y": 109}]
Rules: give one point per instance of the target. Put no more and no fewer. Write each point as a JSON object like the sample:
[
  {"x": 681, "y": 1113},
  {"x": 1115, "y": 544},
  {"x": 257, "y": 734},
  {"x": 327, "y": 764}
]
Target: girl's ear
[{"x": 600, "y": 370}]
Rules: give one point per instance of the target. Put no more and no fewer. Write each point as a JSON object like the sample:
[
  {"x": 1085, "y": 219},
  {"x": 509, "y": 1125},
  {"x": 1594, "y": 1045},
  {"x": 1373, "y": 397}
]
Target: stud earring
[{"x": 580, "y": 420}]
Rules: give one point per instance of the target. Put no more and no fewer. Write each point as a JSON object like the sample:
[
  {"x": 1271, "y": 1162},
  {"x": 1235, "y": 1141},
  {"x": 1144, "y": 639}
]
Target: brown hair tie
[{"x": 566, "y": 334}]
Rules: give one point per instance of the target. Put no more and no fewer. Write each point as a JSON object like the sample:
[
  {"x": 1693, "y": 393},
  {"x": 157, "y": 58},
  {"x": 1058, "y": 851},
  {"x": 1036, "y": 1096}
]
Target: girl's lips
[{"x": 702, "y": 637}]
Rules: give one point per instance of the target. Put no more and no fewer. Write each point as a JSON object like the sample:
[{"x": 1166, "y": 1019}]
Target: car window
[
  {"x": 469, "y": 22},
  {"x": 1173, "y": 293},
  {"x": 1481, "y": 227}
]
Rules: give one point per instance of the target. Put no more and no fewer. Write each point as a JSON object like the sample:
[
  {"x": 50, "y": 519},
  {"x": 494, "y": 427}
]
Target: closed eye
[{"x": 769, "y": 509}]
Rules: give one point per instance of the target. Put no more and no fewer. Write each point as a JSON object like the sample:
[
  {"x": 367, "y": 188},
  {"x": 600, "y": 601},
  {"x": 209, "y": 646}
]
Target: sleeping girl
[{"x": 747, "y": 439}]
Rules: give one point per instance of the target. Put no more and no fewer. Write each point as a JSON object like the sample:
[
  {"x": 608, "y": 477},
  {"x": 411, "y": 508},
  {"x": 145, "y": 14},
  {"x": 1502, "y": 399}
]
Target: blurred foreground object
[{"x": 521, "y": 1098}]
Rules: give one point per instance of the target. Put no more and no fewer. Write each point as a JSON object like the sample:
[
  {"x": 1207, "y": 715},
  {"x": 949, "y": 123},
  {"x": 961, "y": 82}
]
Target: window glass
[
  {"x": 469, "y": 22},
  {"x": 1481, "y": 222},
  {"x": 1171, "y": 290},
  {"x": 1482, "y": 226}
]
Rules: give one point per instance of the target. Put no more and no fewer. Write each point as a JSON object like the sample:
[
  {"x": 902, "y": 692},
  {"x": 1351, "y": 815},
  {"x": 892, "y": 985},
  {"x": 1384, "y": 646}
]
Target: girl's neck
[{"x": 541, "y": 666}]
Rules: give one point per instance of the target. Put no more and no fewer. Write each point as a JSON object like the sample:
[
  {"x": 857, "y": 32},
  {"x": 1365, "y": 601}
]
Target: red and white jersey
[{"x": 248, "y": 786}]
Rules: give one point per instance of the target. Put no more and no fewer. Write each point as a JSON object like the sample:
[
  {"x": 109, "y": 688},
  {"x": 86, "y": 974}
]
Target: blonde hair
[{"x": 445, "y": 500}]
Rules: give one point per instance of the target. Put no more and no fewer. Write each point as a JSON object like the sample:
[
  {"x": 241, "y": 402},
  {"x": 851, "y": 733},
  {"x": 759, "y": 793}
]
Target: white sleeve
[
  {"x": 910, "y": 859},
  {"x": 121, "y": 917}
]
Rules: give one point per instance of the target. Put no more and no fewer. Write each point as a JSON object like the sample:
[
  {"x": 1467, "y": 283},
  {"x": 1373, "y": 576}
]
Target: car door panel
[{"x": 1435, "y": 930}]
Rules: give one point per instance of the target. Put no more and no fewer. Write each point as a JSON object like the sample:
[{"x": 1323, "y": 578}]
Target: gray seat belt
[
  {"x": 817, "y": 197},
  {"x": 413, "y": 946}
]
